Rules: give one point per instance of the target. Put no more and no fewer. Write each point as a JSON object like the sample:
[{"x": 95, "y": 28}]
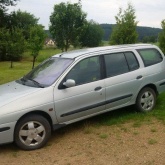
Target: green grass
[
  {"x": 152, "y": 141},
  {"x": 43, "y": 54},
  {"x": 129, "y": 114},
  {"x": 9, "y": 74},
  {"x": 103, "y": 136}
]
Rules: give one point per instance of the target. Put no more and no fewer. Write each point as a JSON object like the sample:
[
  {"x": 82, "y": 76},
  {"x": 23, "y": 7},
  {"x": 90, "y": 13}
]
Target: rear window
[{"x": 150, "y": 56}]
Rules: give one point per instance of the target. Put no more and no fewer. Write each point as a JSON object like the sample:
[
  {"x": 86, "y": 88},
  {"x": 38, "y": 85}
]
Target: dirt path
[{"x": 124, "y": 144}]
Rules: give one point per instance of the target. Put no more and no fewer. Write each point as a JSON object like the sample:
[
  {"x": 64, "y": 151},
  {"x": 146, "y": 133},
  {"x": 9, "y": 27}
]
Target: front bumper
[{"x": 7, "y": 132}]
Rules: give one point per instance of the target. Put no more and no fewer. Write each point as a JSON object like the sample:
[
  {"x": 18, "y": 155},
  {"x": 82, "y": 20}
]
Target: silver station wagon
[{"x": 76, "y": 85}]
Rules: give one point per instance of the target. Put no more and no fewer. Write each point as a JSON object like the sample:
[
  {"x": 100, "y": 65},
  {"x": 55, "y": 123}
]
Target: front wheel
[
  {"x": 146, "y": 100},
  {"x": 32, "y": 132}
]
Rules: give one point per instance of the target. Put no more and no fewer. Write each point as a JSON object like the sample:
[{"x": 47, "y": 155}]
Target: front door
[{"x": 87, "y": 97}]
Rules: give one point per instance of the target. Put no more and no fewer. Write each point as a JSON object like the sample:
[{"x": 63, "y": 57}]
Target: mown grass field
[{"x": 8, "y": 74}]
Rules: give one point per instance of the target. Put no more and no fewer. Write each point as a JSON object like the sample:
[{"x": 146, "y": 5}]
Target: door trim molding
[{"x": 96, "y": 105}]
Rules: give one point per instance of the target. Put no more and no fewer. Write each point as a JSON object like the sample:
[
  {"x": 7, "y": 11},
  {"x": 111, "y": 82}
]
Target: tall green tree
[
  {"x": 36, "y": 41},
  {"x": 15, "y": 45},
  {"x": 125, "y": 30},
  {"x": 3, "y": 44},
  {"x": 161, "y": 38},
  {"x": 66, "y": 24},
  {"x": 23, "y": 20},
  {"x": 12, "y": 43},
  {"x": 5, "y": 3},
  {"x": 92, "y": 35},
  {"x": 3, "y": 11}
]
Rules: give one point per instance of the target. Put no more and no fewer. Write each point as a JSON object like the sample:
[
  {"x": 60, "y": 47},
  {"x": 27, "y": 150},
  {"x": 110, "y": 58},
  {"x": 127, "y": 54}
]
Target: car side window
[
  {"x": 132, "y": 61},
  {"x": 150, "y": 56},
  {"x": 115, "y": 64},
  {"x": 87, "y": 70}
]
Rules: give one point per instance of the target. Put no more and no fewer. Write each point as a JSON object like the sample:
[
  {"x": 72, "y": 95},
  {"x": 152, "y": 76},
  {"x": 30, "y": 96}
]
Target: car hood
[{"x": 13, "y": 91}]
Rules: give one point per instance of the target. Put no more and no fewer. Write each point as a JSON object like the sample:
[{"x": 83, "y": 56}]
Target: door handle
[
  {"x": 98, "y": 88},
  {"x": 139, "y": 77}
]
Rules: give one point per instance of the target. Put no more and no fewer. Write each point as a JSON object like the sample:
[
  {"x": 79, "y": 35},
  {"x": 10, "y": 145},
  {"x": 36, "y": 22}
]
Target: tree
[
  {"x": 4, "y": 3},
  {"x": 12, "y": 43},
  {"x": 65, "y": 24},
  {"x": 3, "y": 11},
  {"x": 3, "y": 43},
  {"x": 23, "y": 20},
  {"x": 161, "y": 38},
  {"x": 125, "y": 30},
  {"x": 15, "y": 45},
  {"x": 145, "y": 39},
  {"x": 92, "y": 35},
  {"x": 36, "y": 41}
]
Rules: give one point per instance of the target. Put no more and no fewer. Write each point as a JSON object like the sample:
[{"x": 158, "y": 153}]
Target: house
[{"x": 49, "y": 42}]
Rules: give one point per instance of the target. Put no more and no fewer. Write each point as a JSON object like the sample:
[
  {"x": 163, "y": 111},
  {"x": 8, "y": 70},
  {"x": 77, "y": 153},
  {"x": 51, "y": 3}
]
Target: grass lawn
[{"x": 9, "y": 74}]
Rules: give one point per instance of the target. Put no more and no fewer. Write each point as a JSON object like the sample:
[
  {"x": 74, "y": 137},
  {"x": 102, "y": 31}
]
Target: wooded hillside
[{"x": 142, "y": 31}]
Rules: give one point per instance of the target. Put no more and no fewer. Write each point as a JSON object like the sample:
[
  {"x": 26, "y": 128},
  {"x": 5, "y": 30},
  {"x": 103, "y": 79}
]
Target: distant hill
[{"x": 142, "y": 31}]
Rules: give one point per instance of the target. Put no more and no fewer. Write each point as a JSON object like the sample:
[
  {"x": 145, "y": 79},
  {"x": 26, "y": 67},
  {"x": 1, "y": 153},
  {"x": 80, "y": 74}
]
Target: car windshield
[{"x": 47, "y": 72}]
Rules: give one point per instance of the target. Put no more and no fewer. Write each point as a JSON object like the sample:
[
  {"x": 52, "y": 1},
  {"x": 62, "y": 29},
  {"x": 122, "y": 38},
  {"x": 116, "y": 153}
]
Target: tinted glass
[
  {"x": 87, "y": 70},
  {"x": 132, "y": 61},
  {"x": 150, "y": 56},
  {"x": 116, "y": 64}
]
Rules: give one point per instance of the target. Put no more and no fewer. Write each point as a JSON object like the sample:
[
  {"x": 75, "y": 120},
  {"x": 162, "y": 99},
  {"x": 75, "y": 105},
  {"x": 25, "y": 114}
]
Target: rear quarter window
[{"x": 150, "y": 56}]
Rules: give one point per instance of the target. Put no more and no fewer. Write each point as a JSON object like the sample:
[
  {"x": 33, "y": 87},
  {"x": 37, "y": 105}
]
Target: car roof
[{"x": 80, "y": 52}]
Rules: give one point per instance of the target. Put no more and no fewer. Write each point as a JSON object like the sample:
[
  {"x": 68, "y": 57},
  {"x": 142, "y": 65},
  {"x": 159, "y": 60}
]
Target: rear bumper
[{"x": 7, "y": 132}]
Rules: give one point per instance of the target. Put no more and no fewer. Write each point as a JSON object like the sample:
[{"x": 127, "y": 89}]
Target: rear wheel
[
  {"x": 146, "y": 100},
  {"x": 32, "y": 132}
]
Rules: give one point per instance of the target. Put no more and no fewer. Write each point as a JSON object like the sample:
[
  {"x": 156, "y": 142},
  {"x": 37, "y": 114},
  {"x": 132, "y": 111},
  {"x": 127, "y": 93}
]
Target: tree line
[
  {"x": 69, "y": 26},
  {"x": 20, "y": 31},
  {"x": 145, "y": 34}
]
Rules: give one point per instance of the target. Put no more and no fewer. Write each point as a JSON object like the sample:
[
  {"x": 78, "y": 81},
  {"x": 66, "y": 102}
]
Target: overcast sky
[{"x": 149, "y": 13}]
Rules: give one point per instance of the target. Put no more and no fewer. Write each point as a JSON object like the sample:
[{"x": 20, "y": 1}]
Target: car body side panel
[
  {"x": 78, "y": 101},
  {"x": 122, "y": 88},
  {"x": 7, "y": 136},
  {"x": 41, "y": 100}
]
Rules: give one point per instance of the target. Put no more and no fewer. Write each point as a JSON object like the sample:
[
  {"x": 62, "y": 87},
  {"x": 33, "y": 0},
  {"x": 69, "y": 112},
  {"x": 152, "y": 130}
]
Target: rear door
[{"x": 123, "y": 78}]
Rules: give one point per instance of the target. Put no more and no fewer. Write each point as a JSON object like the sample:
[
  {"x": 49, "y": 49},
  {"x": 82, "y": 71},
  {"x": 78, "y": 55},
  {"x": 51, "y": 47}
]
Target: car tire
[
  {"x": 146, "y": 100},
  {"x": 32, "y": 132}
]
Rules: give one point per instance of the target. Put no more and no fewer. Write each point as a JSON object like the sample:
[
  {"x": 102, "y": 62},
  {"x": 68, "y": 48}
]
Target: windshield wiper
[
  {"x": 23, "y": 80},
  {"x": 35, "y": 82}
]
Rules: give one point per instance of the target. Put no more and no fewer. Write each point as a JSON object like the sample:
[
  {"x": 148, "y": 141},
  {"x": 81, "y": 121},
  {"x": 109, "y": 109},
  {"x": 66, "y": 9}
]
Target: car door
[
  {"x": 84, "y": 99},
  {"x": 123, "y": 80}
]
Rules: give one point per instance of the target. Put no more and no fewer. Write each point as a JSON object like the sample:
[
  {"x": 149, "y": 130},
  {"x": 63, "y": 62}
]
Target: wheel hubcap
[
  {"x": 147, "y": 101},
  {"x": 32, "y": 133}
]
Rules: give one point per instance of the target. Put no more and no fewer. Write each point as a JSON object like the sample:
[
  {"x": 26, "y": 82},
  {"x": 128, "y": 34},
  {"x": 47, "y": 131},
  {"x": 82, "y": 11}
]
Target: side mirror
[{"x": 69, "y": 83}]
